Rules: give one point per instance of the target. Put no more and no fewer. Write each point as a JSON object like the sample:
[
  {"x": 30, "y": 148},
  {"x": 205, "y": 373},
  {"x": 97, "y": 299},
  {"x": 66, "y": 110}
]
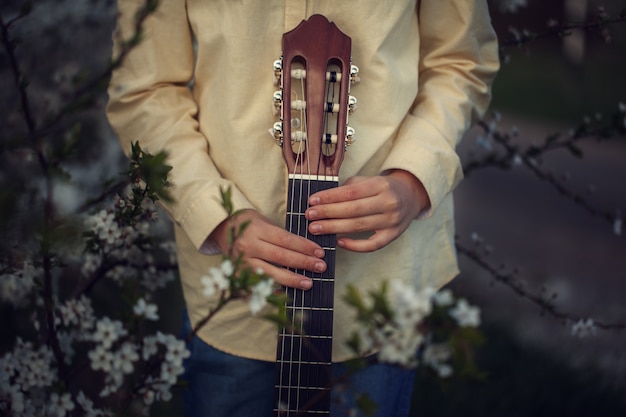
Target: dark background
[{"x": 533, "y": 366}]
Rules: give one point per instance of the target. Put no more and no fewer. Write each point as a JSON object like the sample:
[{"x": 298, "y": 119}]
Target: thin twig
[{"x": 510, "y": 281}]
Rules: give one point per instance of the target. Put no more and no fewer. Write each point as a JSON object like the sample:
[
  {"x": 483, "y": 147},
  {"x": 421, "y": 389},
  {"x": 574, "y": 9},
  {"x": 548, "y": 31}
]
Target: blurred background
[{"x": 533, "y": 366}]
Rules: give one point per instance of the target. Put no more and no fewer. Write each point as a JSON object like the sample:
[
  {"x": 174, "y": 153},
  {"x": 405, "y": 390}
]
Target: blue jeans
[{"x": 223, "y": 385}]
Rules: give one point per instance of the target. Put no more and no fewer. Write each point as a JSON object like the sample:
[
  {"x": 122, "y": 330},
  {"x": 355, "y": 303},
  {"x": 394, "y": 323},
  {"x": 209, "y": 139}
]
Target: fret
[
  {"x": 313, "y": 322},
  {"x": 304, "y": 362},
  {"x": 320, "y": 295},
  {"x": 304, "y": 351},
  {"x": 299, "y": 398},
  {"x": 287, "y": 412},
  {"x": 305, "y": 308}
]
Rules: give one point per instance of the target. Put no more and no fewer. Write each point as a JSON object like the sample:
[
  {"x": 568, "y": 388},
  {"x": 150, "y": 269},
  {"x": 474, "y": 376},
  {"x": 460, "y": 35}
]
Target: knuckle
[
  {"x": 393, "y": 205},
  {"x": 351, "y": 192},
  {"x": 285, "y": 239},
  {"x": 241, "y": 245},
  {"x": 360, "y": 226},
  {"x": 277, "y": 255}
]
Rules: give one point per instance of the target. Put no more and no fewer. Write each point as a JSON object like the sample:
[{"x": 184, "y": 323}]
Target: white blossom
[
  {"x": 435, "y": 356},
  {"x": 60, "y": 404},
  {"x": 465, "y": 314},
  {"x": 583, "y": 328},
  {"x": 150, "y": 347},
  {"x": 143, "y": 309},
  {"x": 398, "y": 339},
  {"x": 123, "y": 359},
  {"x": 108, "y": 331},
  {"x": 258, "y": 297},
  {"x": 101, "y": 359},
  {"x": 511, "y": 6},
  {"x": 16, "y": 287},
  {"x": 170, "y": 372},
  {"x": 105, "y": 226},
  {"x": 176, "y": 350},
  {"x": 91, "y": 263},
  {"x": 410, "y": 305},
  {"x": 217, "y": 280},
  {"x": 31, "y": 368},
  {"x": 157, "y": 280},
  {"x": 78, "y": 312},
  {"x": 443, "y": 298}
]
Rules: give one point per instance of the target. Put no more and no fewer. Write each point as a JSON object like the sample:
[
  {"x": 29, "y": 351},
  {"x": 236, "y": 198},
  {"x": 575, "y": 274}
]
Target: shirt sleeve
[
  {"x": 150, "y": 101},
  {"x": 458, "y": 61}
]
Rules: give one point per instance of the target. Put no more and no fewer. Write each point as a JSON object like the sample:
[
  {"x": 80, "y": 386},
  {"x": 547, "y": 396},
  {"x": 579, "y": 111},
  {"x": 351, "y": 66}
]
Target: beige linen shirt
[{"x": 426, "y": 69}]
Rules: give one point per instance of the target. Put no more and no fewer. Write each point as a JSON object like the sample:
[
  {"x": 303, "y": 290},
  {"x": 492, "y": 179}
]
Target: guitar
[{"x": 315, "y": 74}]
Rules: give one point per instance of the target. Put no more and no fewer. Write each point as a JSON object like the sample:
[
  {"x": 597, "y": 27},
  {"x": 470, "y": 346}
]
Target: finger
[
  {"x": 289, "y": 258},
  {"x": 350, "y": 209},
  {"x": 282, "y": 276},
  {"x": 378, "y": 240},
  {"x": 260, "y": 233},
  {"x": 356, "y": 189},
  {"x": 283, "y": 239},
  {"x": 352, "y": 225}
]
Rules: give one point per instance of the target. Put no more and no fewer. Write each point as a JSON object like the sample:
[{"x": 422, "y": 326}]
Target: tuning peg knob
[
  {"x": 277, "y": 132},
  {"x": 352, "y": 104},
  {"x": 350, "y": 138},
  {"x": 354, "y": 74},
  {"x": 278, "y": 71},
  {"x": 278, "y": 100}
]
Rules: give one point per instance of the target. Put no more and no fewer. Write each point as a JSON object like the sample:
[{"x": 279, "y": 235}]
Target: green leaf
[
  {"x": 353, "y": 298},
  {"x": 366, "y": 405},
  {"x": 226, "y": 196}
]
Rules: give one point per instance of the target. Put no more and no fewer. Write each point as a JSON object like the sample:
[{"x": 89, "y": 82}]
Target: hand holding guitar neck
[{"x": 272, "y": 248}]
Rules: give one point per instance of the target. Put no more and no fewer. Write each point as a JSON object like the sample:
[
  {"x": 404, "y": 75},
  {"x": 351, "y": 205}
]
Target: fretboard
[{"x": 304, "y": 353}]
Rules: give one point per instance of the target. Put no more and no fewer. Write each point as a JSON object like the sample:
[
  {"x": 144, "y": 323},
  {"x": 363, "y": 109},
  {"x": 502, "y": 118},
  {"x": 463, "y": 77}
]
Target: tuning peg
[
  {"x": 350, "y": 136},
  {"x": 278, "y": 70},
  {"x": 277, "y": 132},
  {"x": 354, "y": 74},
  {"x": 278, "y": 100},
  {"x": 352, "y": 106}
]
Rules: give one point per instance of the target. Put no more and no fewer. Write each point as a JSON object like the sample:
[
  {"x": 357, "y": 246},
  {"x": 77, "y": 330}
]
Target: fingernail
[
  {"x": 314, "y": 200},
  {"x": 319, "y": 266},
  {"x": 319, "y": 253},
  {"x": 305, "y": 284},
  {"x": 315, "y": 228},
  {"x": 312, "y": 214}
]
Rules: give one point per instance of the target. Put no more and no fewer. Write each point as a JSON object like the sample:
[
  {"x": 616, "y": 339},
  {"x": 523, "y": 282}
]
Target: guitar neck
[{"x": 304, "y": 351}]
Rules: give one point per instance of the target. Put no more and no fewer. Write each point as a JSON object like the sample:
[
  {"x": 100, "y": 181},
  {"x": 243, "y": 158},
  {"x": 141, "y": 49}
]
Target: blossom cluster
[
  {"x": 17, "y": 286},
  {"x": 118, "y": 357},
  {"x": 256, "y": 286},
  {"x": 118, "y": 239},
  {"x": 401, "y": 323}
]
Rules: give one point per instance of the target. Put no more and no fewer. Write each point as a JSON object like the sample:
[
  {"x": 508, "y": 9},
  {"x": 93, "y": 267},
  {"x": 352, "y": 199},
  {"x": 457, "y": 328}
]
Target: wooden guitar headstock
[{"x": 315, "y": 76}]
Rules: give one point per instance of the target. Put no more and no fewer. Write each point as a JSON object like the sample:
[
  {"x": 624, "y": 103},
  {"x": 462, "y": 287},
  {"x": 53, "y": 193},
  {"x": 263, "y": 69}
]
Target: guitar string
[
  {"x": 299, "y": 162},
  {"x": 304, "y": 142}
]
